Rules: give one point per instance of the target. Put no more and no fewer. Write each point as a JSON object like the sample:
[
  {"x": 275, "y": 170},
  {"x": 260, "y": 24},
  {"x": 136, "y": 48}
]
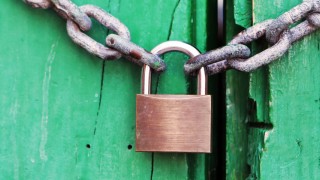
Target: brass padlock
[{"x": 173, "y": 123}]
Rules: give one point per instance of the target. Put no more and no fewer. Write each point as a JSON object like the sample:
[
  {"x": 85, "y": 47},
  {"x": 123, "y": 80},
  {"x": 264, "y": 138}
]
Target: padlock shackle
[{"x": 168, "y": 47}]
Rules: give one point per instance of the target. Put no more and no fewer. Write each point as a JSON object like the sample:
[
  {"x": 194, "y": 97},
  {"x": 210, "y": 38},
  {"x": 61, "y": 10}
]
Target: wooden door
[
  {"x": 273, "y": 113},
  {"x": 66, "y": 114}
]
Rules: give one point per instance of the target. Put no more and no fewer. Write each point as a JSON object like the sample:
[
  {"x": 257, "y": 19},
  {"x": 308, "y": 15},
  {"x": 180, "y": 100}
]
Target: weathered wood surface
[
  {"x": 66, "y": 114},
  {"x": 275, "y": 133},
  {"x": 236, "y": 103}
]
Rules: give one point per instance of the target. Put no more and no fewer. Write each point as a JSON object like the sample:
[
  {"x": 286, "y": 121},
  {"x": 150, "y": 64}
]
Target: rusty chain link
[
  {"x": 78, "y": 20},
  {"x": 235, "y": 55},
  {"x": 91, "y": 45}
]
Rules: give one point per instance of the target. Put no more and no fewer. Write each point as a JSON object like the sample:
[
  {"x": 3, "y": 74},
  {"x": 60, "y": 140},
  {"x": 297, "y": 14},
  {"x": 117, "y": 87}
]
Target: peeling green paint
[{"x": 283, "y": 117}]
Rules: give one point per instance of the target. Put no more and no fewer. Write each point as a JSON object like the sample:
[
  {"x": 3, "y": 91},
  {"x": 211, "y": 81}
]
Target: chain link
[
  {"x": 78, "y": 18},
  {"x": 235, "y": 55},
  {"x": 277, "y": 33},
  {"x": 135, "y": 53},
  {"x": 91, "y": 45},
  {"x": 43, "y": 4},
  {"x": 66, "y": 9}
]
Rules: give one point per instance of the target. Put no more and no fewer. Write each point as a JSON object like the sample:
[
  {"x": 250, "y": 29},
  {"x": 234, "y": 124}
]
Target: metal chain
[
  {"x": 88, "y": 43},
  {"x": 78, "y": 18},
  {"x": 235, "y": 55}
]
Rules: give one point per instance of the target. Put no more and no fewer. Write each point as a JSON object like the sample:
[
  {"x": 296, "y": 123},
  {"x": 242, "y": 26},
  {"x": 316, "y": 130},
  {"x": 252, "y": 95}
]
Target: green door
[
  {"x": 66, "y": 114},
  {"x": 273, "y": 113}
]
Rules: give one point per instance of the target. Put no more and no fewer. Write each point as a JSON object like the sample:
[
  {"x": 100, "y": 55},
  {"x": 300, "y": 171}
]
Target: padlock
[{"x": 173, "y": 123}]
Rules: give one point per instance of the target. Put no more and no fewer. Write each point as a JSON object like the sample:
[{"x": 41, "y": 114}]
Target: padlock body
[{"x": 173, "y": 123}]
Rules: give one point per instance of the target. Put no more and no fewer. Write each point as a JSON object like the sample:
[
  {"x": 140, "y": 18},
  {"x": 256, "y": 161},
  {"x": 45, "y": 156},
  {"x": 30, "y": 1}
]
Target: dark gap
[
  {"x": 88, "y": 146},
  {"x": 260, "y": 125},
  {"x": 219, "y": 126},
  {"x": 248, "y": 168},
  {"x": 212, "y": 8},
  {"x": 252, "y": 107},
  {"x": 152, "y": 165},
  {"x": 216, "y": 38},
  {"x": 129, "y": 146},
  {"x": 191, "y": 159}
]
